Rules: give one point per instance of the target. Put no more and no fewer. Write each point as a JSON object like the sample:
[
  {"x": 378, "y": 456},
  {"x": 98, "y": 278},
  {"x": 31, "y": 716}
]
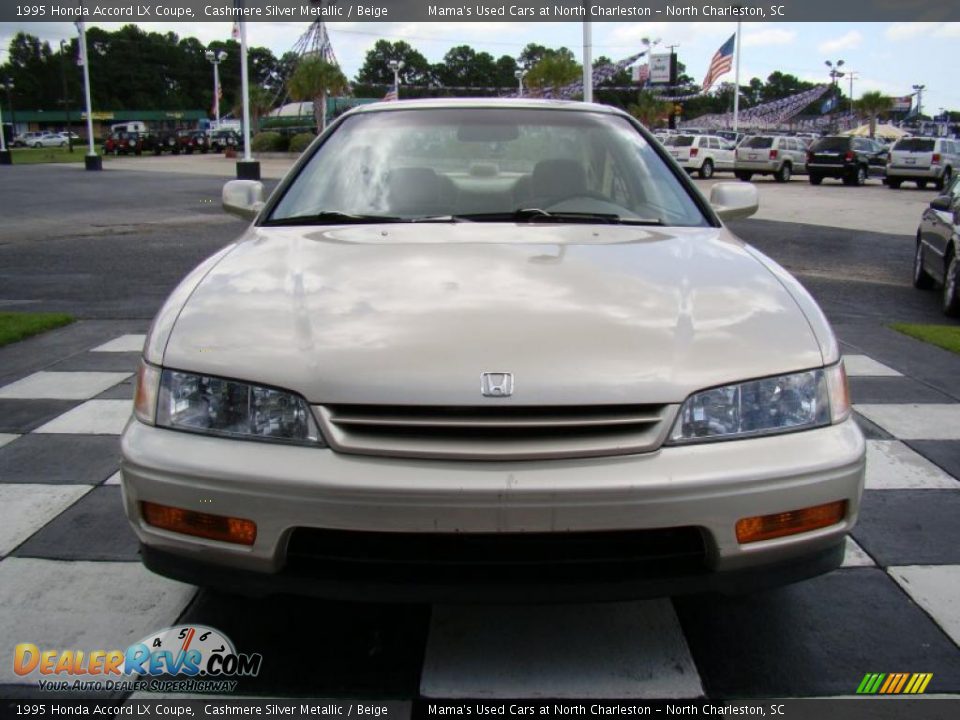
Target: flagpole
[
  {"x": 736, "y": 85},
  {"x": 92, "y": 161},
  {"x": 587, "y": 62},
  {"x": 247, "y": 168}
]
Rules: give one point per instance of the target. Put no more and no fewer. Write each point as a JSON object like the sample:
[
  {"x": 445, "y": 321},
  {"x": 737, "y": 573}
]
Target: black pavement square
[
  {"x": 60, "y": 459},
  {"x": 945, "y": 453},
  {"x": 121, "y": 391},
  {"x": 318, "y": 648},
  {"x": 894, "y": 390},
  {"x": 871, "y": 431},
  {"x": 99, "y": 361},
  {"x": 910, "y": 527},
  {"x": 93, "y": 528},
  {"x": 814, "y": 638},
  {"x": 22, "y": 416}
]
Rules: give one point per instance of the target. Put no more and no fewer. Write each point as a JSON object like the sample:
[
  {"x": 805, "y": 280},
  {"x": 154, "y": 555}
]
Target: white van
[{"x": 134, "y": 126}]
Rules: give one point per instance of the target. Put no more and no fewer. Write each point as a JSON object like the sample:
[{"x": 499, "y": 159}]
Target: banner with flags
[
  {"x": 721, "y": 63},
  {"x": 765, "y": 115}
]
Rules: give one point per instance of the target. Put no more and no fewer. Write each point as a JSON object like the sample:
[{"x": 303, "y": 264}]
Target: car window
[
  {"x": 758, "y": 143},
  {"x": 679, "y": 141},
  {"x": 834, "y": 144},
  {"x": 915, "y": 145},
  {"x": 416, "y": 163}
]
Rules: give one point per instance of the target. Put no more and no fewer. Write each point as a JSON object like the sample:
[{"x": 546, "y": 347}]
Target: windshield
[
  {"x": 486, "y": 163},
  {"x": 758, "y": 143},
  {"x": 915, "y": 145}
]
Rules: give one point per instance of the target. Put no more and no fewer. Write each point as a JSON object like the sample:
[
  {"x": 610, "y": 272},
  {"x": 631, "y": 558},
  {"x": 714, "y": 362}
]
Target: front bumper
[{"x": 286, "y": 489}]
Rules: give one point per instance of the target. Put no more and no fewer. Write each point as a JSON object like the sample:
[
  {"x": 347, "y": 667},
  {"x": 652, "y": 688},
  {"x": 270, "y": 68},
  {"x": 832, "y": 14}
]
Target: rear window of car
[
  {"x": 759, "y": 142},
  {"x": 915, "y": 145},
  {"x": 831, "y": 143},
  {"x": 679, "y": 141}
]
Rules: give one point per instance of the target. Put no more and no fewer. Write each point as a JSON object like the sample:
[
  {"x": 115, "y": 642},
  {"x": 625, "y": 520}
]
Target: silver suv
[
  {"x": 775, "y": 155},
  {"x": 922, "y": 160}
]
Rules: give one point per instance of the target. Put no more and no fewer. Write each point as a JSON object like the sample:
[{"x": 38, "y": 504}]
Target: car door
[
  {"x": 938, "y": 226},
  {"x": 878, "y": 158}
]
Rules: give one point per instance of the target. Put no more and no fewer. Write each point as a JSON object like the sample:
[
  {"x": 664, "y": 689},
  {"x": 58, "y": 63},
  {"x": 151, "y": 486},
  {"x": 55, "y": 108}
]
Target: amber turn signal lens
[
  {"x": 767, "y": 527},
  {"x": 188, "y": 522}
]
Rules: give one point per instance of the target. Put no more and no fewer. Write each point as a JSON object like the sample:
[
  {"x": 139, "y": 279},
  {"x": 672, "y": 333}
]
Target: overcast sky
[{"x": 890, "y": 57}]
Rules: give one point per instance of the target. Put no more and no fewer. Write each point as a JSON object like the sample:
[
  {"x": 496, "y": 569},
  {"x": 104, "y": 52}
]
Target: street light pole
[
  {"x": 835, "y": 75},
  {"x": 919, "y": 90},
  {"x": 66, "y": 100},
  {"x": 92, "y": 161},
  {"x": 215, "y": 59},
  {"x": 5, "y": 157},
  {"x": 396, "y": 66},
  {"x": 587, "y": 62},
  {"x": 248, "y": 168},
  {"x": 519, "y": 75}
]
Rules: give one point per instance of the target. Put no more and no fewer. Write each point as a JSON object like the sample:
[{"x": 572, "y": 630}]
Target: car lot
[{"x": 70, "y": 564}]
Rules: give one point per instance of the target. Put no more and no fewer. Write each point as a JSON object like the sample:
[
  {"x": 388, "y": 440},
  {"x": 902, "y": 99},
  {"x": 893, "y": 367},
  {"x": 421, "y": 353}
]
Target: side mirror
[
  {"x": 243, "y": 198},
  {"x": 944, "y": 203},
  {"x": 734, "y": 201}
]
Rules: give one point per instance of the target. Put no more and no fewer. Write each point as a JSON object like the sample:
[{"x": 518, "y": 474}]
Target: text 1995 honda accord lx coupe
[{"x": 490, "y": 350}]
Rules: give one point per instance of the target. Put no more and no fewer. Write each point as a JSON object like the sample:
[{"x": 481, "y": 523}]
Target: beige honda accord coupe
[{"x": 490, "y": 351}]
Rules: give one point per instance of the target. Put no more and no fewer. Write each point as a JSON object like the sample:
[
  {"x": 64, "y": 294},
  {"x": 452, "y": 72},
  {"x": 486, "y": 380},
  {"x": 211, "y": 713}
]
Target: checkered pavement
[{"x": 70, "y": 578}]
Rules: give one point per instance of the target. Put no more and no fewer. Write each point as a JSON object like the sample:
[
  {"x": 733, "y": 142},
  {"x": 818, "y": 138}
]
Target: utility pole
[
  {"x": 919, "y": 89},
  {"x": 852, "y": 75}
]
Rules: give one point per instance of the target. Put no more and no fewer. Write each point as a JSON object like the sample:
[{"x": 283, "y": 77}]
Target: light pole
[
  {"x": 215, "y": 59},
  {"x": 851, "y": 75},
  {"x": 5, "y": 156},
  {"x": 8, "y": 86},
  {"x": 835, "y": 75},
  {"x": 247, "y": 168},
  {"x": 587, "y": 62},
  {"x": 66, "y": 100},
  {"x": 919, "y": 90},
  {"x": 519, "y": 75},
  {"x": 91, "y": 160},
  {"x": 396, "y": 66}
]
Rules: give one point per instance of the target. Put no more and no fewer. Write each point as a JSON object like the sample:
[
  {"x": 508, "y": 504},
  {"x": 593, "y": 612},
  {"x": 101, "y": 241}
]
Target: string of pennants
[{"x": 769, "y": 114}]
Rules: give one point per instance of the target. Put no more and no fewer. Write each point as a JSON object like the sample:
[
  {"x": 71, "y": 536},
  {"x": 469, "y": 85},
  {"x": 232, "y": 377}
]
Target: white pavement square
[
  {"x": 24, "y": 509},
  {"x": 124, "y": 343},
  {"x": 915, "y": 421},
  {"x": 94, "y": 417},
  {"x": 6, "y": 438},
  {"x": 97, "y": 605},
  {"x": 935, "y": 588},
  {"x": 864, "y": 366},
  {"x": 113, "y": 479},
  {"x": 625, "y": 650},
  {"x": 891, "y": 465},
  {"x": 61, "y": 385},
  {"x": 856, "y": 556}
]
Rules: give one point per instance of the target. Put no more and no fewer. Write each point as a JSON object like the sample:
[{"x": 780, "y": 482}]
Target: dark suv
[
  {"x": 851, "y": 159},
  {"x": 220, "y": 140}
]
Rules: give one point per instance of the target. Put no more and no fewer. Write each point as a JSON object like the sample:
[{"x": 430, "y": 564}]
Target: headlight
[
  {"x": 768, "y": 406},
  {"x": 214, "y": 406}
]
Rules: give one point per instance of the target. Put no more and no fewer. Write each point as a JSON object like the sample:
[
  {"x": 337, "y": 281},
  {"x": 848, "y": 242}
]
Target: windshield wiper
[
  {"x": 541, "y": 215},
  {"x": 337, "y": 217}
]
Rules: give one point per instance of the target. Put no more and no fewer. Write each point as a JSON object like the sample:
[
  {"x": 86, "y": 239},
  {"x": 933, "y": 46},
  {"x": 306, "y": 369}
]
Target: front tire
[
  {"x": 922, "y": 280},
  {"x": 706, "y": 170},
  {"x": 783, "y": 174},
  {"x": 951, "y": 288},
  {"x": 815, "y": 179}
]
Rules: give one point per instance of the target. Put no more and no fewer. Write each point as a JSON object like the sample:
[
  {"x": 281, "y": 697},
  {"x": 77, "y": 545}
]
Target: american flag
[
  {"x": 391, "y": 95},
  {"x": 641, "y": 73},
  {"x": 721, "y": 63}
]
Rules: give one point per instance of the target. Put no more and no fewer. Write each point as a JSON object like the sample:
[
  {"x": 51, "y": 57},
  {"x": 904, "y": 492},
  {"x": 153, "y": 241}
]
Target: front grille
[
  {"x": 496, "y": 433},
  {"x": 459, "y": 557}
]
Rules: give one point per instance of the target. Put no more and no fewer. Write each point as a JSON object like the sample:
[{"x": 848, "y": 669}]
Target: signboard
[
  {"x": 663, "y": 69},
  {"x": 98, "y": 115},
  {"x": 903, "y": 104}
]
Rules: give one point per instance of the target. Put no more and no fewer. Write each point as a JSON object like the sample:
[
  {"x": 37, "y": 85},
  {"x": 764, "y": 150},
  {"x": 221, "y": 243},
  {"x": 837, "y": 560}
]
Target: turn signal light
[
  {"x": 198, "y": 524},
  {"x": 767, "y": 527}
]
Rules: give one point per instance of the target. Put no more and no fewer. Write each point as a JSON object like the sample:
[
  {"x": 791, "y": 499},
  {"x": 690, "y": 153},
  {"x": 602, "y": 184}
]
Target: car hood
[{"x": 414, "y": 313}]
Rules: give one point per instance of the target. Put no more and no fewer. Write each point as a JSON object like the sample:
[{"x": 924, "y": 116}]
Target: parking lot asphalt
[{"x": 70, "y": 573}]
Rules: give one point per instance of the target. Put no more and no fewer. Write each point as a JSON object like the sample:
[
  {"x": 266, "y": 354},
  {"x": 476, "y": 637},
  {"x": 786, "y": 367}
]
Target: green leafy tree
[
  {"x": 649, "y": 109},
  {"x": 376, "y": 66},
  {"x": 554, "y": 71},
  {"x": 506, "y": 67},
  {"x": 871, "y": 105},
  {"x": 313, "y": 80}
]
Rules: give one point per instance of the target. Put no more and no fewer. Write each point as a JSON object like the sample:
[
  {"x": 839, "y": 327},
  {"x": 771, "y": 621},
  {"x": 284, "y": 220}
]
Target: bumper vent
[{"x": 496, "y": 433}]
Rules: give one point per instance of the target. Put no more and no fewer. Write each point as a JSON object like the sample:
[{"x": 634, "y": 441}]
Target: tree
[
  {"x": 506, "y": 67},
  {"x": 871, "y": 104},
  {"x": 376, "y": 66},
  {"x": 649, "y": 109},
  {"x": 261, "y": 102},
  {"x": 554, "y": 71},
  {"x": 463, "y": 66},
  {"x": 313, "y": 79}
]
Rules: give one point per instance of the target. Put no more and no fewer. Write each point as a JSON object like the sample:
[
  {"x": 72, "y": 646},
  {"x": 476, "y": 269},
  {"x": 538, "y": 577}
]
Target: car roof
[{"x": 495, "y": 103}]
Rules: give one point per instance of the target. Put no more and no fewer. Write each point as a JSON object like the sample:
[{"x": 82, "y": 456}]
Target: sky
[{"x": 889, "y": 57}]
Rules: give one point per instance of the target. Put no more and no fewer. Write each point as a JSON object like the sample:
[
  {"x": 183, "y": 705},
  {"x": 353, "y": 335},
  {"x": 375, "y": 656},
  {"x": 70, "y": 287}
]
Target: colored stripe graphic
[{"x": 894, "y": 683}]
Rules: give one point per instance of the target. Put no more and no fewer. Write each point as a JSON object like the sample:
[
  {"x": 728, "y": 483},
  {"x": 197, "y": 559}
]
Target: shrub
[
  {"x": 300, "y": 142},
  {"x": 268, "y": 142}
]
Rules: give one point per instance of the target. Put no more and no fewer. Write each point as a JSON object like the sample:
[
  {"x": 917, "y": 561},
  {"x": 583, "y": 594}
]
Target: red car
[
  {"x": 193, "y": 141},
  {"x": 123, "y": 143}
]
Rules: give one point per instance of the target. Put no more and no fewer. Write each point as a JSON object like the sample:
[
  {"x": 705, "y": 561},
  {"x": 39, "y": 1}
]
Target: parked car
[
  {"x": 559, "y": 378},
  {"x": 850, "y": 159},
  {"x": 220, "y": 140},
  {"x": 46, "y": 139},
  {"x": 701, "y": 153},
  {"x": 69, "y": 136},
  {"x": 922, "y": 160},
  {"x": 731, "y": 136},
  {"x": 126, "y": 143},
  {"x": 775, "y": 155},
  {"x": 26, "y": 139},
  {"x": 938, "y": 248},
  {"x": 165, "y": 141},
  {"x": 193, "y": 141}
]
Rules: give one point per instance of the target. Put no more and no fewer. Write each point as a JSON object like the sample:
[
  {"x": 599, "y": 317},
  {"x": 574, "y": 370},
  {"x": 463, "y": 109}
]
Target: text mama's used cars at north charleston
[{"x": 502, "y": 349}]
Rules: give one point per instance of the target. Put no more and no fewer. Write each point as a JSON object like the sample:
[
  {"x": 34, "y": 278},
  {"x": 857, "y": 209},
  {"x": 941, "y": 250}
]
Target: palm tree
[
  {"x": 872, "y": 104},
  {"x": 313, "y": 79},
  {"x": 649, "y": 109},
  {"x": 261, "y": 102}
]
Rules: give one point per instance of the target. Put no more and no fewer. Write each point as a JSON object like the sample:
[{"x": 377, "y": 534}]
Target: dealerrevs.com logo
[{"x": 187, "y": 658}]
